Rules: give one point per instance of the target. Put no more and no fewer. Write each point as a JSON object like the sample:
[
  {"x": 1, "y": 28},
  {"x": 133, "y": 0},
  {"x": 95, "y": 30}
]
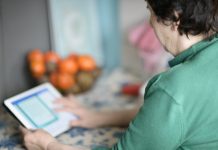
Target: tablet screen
[{"x": 37, "y": 108}]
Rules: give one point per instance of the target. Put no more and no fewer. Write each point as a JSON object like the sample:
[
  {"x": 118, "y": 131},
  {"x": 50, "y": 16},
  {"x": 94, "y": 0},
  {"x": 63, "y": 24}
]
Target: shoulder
[
  {"x": 172, "y": 82},
  {"x": 167, "y": 79}
]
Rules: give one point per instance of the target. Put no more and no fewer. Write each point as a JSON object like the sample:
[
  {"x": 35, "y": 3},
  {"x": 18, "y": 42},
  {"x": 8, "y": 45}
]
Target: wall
[
  {"x": 1, "y": 59},
  {"x": 132, "y": 13},
  {"x": 23, "y": 26}
]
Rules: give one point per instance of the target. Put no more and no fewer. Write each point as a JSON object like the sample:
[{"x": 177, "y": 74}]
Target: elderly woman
[{"x": 180, "y": 111}]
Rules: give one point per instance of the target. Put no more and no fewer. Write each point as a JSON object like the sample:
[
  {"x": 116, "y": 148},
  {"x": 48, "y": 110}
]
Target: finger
[
  {"x": 73, "y": 99},
  {"x": 60, "y": 100},
  {"x": 64, "y": 109},
  {"x": 27, "y": 145},
  {"x": 23, "y": 130},
  {"x": 30, "y": 146},
  {"x": 62, "y": 103},
  {"x": 78, "y": 112},
  {"x": 67, "y": 103}
]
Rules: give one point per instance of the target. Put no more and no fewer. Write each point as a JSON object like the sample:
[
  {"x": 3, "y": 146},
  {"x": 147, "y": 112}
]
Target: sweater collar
[{"x": 193, "y": 50}]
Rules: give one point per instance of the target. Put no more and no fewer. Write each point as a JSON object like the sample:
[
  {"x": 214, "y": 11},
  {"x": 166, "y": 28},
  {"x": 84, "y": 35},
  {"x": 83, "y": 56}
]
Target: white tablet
[{"x": 35, "y": 109}]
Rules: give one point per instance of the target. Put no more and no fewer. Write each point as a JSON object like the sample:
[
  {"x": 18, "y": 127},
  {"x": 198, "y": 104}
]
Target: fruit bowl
[{"x": 71, "y": 75}]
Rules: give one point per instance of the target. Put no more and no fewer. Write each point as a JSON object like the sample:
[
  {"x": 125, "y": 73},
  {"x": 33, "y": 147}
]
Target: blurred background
[{"x": 116, "y": 33}]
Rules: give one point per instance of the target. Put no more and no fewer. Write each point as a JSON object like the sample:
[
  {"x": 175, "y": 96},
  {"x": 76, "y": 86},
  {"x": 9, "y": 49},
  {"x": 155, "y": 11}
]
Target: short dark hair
[{"x": 195, "y": 16}]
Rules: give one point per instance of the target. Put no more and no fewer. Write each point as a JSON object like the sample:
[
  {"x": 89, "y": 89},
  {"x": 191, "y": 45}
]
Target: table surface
[{"x": 105, "y": 95}]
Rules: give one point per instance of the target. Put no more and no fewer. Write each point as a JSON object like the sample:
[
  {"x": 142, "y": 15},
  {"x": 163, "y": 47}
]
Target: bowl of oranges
[{"x": 73, "y": 74}]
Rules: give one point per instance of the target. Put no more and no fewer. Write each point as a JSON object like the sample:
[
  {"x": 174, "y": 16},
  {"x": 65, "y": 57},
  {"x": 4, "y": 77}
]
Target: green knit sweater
[{"x": 180, "y": 110}]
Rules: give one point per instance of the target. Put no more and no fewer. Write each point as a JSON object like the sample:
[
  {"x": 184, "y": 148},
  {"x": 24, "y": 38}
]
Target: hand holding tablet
[{"x": 35, "y": 109}]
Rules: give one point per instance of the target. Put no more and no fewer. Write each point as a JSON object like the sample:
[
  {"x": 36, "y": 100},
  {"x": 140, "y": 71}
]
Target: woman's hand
[
  {"x": 87, "y": 118},
  {"x": 41, "y": 140},
  {"x": 93, "y": 119},
  {"x": 36, "y": 140}
]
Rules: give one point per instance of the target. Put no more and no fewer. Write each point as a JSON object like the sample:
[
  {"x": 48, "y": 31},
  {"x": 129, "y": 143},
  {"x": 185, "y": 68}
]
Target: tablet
[{"x": 34, "y": 109}]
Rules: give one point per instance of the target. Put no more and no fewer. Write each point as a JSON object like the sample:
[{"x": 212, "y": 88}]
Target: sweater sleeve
[{"x": 157, "y": 126}]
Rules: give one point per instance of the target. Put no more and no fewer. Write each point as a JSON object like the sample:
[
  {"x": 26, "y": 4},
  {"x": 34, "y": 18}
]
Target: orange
[
  {"x": 37, "y": 68},
  {"x": 86, "y": 63},
  {"x": 53, "y": 78},
  {"x": 73, "y": 57},
  {"x": 51, "y": 56},
  {"x": 35, "y": 55},
  {"x": 68, "y": 66},
  {"x": 65, "y": 81}
]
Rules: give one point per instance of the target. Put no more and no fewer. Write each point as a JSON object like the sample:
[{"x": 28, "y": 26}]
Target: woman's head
[
  {"x": 195, "y": 17},
  {"x": 181, "y": 23}
]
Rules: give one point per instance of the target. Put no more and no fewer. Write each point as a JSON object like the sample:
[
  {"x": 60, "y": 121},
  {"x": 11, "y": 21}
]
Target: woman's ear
[{"x": 175, "y": 25}]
